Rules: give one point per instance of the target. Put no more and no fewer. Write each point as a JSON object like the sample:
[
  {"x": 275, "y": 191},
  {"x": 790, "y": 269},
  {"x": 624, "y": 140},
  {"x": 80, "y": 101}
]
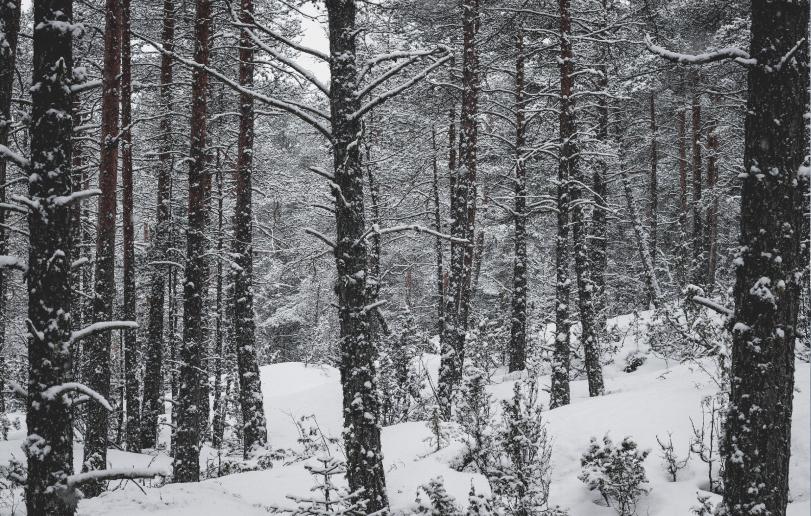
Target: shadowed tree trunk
[
  {"x": 153, "y": 369},
  {"x": 97, "y": 347},
  {"x": 654, "y": 186},
  {"x": 463, "y": 206},
  {"x": 682, "y": 251},
  {"x": 711, "y": 231},
  {"x": 133, "y": 421},
  {"x": 569, "y": 161},
  {"x": 192, "y": 347},
  {"x": 9, "y": 30},
  {"x": 440, "y": 280},
  {"x": 250, "y": 387},
  {"x": 698, "y": 265},
  {"x": 770, "y": 262},
  {"x": 518, "y": 328},
  {"x": 358, "y": 352},
  {"x": 49, "y": 257}
]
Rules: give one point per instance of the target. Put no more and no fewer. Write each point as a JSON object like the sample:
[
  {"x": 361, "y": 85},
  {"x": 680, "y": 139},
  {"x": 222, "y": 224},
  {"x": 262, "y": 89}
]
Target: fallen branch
[
  {"x": 102, "y": 475},
  {"x": 712, "y": 305}
]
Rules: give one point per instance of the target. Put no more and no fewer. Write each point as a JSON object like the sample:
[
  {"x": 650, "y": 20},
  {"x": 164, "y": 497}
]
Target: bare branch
[{"x": 735, "y": 54}]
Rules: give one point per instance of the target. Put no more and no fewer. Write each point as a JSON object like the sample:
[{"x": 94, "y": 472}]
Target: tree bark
[
  {"x": 770, "y": 262},
  {"x": 569, "y": 161},
  {"x": 654, "y": 185},
  {"x": 698, "y": 264},
  {"x": 250, "y": 386},
  {"x": 153, "y": 369},
  {"x": 49, "y": 257},
  {"x": 133, "y": 419},
  {"x": 361, "y": 404},
  {"x": 97, "y": 347},
  {"x": 711, "y": 232},
  {"x": 9, "y": 31},
  {"x": 192, "y": 348},
  {"x": 438, "y": 246},
  {"x": 518, "y": 327},
  {"x": 463, "y": 210},
  {"x": 682, "y": 256}
]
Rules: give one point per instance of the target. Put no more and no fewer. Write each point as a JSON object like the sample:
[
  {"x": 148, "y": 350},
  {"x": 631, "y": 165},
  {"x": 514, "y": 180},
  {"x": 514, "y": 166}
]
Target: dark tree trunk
[
  {"x": 97, "y": 347},
  {"x": 463, "y": 209},
  {"x": 192, "y": 348},
  {"x": 153, "y": 368},
  {"x": 654, "y": 185},
  {"x": 682, "y": 247},
  {"x": 255, "y": 434},
  {"x": 217, "y": 421},
  {"x": 49, "y": 257},
  {"x": 361, "y": 404},
  {"x": 133, "y": 421},
  {"x": 518, "y": 328},
  {"x": 698, "y": 265},
  {"x": 438, "y": 247},
  {"x": 768, "y": 277},
  {"x": 598, "y": 256},
  {"x": 711, "y": 231},
  {"x": 569, "y": 162},
  {"x": 9, "y": 30}
]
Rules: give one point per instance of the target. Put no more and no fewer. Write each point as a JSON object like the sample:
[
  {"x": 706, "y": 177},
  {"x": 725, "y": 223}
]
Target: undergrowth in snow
[{"x": 659, "y": 400}]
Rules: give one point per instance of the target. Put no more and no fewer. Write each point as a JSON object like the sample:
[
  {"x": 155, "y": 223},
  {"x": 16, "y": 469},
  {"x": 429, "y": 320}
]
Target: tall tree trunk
[
  {"x": 250, "y": 386},
  {"x": 463, "y": 209},
  {"x": 49, "y": 257},
  {"x": 711, "y": 231},
  {"x": 698, "y": 264},
  {"x": 188, "y": 425},
  {"x": 133, "y": 421},
  {"x": 361, "y": 404},
  {"x": 217, "y": 421},
  {"x": 682, "y": 247},
  {"x": 438, "y": 247},
  {"x": 97, "y": 347},
  {"x": 153, "y": 368},
  {"x": 569, "y": 162},
  {"x": 518, "y": 328},
  {"x": 9, "y": 30},
  {"x": 768, "y": 277},
  {"x": 654, "y": 185},
  {"x": 598, "y": 256}
]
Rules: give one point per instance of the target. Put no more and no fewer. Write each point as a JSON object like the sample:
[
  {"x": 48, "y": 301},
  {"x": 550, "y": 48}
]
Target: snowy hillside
[{"x": 655, "y": 399}]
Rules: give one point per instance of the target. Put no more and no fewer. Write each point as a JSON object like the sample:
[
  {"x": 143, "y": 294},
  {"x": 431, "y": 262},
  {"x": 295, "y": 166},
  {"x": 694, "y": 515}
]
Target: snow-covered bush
[
  {"x": 520, "y": 481},
  {"x": 616, "y": 471},
  {"x": 708, "y": 437},
  {"x": 327, "y": 498},
  {"x": 400, "y": 382},
  {"x": 671, "y": 459},
  {"x": 433, "y": 499},
  {"x": 475, "y": 417},
  {"x": 634, "y": 360},
  {"x": 705, "y": 506},
  {"x": 478, "y": 505}
]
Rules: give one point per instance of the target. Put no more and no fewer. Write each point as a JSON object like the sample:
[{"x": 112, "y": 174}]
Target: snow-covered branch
[
  {"x": 321, "y": 237},
  {"x": 66, "y": 200},
  {"x": 413, "y": 227},
  {"x": 102, "y": 475},
  {"x": 736, "y": 54},
  {"x": 100, "y": 327},
  {"x": 289, "y": 107},
  {"x": 51, "y": 393},
  {"x": 712, "y": 305},
  {"x": 400, "y": 88},
  {"x": 281, "y": 39},
  {"x": 12, "y": 262},
  {"x": 85, "y": 86},
  {"x": 10, "y": 155}
]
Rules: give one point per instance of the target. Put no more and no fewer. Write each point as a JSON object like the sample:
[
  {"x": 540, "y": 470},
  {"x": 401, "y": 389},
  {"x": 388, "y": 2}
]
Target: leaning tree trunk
[
  {"x": 49, "y": 257},
  {"x": 463, "y": 206},
  {"x": 518, "y": 328},
  {"x": 770, "y": 262},
  {"x": 569, "y": 162},
  {"x": 97, "y": 347},
  {"x": 255, "y": 434},
  {"x": 9, "y": 30},
  {"x": 153, "y": 367},
  {"x": 361, "y": 403},
  {"x": 133, "y": 421},
  {"x": 188, "y": 424}
]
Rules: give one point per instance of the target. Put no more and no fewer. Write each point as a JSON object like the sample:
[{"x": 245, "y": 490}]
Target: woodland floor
[{"x": 658, "y": 398}]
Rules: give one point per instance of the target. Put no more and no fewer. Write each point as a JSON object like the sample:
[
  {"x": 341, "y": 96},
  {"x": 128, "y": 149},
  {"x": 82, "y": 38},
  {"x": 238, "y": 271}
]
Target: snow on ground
[{"x": 658, "y": 398}]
